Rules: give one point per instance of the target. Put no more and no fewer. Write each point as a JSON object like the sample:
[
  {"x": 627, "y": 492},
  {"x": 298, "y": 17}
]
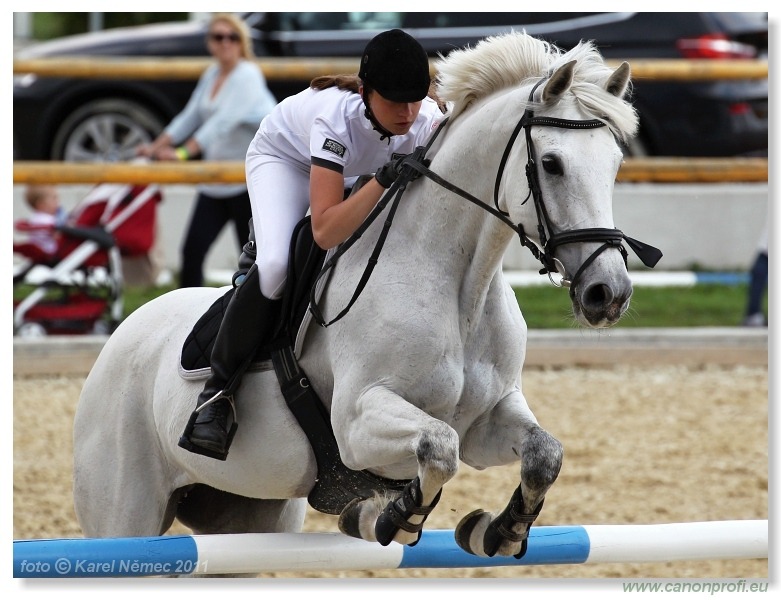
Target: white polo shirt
[{"x": 328, "y": 128}]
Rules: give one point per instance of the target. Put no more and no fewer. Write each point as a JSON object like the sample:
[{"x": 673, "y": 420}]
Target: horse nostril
[{"x": 597, "y": 295}]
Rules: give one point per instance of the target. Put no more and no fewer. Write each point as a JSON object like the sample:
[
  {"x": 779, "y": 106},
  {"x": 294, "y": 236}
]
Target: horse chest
[{"x": 457, "y": 386}]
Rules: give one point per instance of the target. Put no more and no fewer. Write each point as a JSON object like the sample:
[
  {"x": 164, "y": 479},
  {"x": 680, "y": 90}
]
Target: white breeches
[{"x": 279, "y": 194}]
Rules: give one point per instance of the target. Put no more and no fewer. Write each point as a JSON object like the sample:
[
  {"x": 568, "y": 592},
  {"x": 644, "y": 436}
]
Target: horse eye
[{"x": 552, "y": 165}]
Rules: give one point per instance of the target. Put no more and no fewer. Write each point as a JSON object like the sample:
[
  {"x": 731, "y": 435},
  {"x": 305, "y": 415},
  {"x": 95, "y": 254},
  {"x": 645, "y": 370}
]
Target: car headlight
[{"x": 25, "y": 80}]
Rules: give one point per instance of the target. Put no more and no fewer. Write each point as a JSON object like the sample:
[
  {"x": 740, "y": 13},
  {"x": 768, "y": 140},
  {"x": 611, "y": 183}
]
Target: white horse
[{"x": 425, "y": 370}]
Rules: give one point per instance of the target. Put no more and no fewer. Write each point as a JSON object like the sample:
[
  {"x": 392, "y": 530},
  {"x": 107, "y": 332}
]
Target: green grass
[{"x": 547, "y": 307}]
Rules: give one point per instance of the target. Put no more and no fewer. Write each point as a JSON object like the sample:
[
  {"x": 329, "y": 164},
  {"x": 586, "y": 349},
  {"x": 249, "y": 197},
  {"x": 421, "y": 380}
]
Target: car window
[
  {"x": 488, "y": 19},
  {"x": 319, "y": 21}
]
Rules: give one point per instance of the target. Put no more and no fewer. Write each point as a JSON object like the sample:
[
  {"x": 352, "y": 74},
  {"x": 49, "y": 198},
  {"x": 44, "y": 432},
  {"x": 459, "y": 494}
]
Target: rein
[
  {"x": 415, "y": 164},
  {"x": 410, "y": 168}
]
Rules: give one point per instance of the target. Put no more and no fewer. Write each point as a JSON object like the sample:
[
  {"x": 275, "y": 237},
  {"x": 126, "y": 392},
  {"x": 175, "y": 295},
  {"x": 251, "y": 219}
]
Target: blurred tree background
[{"x": 49, "y": 25}]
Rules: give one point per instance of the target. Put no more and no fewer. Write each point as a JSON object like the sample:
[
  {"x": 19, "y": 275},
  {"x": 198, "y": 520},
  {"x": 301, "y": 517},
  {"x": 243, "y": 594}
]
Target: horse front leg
[
  {"x": 510, "y": 432},
  {"x": 382, "y": 429}
]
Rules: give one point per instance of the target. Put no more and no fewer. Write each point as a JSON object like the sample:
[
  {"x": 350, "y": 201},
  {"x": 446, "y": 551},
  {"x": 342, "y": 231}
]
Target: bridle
[
  {"x": 414, "y": 165},
  {"x": 549, "y": 239}
]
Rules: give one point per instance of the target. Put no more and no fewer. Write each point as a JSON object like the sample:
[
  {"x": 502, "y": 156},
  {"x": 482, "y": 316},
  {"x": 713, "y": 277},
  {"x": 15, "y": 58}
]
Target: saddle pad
[{"x": 197, "y": 348}]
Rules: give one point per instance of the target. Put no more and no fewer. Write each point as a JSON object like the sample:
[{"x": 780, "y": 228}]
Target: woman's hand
[
  {"x": 160, "y": 149},
  {"x": 166, "y": 153},
  {"x": 157, "y": 152},
  {"x": 144, "y": 150}
]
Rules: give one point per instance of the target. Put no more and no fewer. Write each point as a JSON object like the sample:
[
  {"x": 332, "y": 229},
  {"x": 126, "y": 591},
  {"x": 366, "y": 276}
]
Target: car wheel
[
  {"x": 101, "y": 328},
  {"x": 105, "y": 130}
]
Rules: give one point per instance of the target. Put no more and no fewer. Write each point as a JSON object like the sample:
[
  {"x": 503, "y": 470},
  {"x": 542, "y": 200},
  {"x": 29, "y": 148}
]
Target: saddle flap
[
  {"x": 197, "y": 347},
  {"x": 306, "y": 260}
]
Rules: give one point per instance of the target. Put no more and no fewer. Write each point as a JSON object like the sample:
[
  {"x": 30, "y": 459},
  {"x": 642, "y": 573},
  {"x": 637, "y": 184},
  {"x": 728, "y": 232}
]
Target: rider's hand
[{"x": 391, "y": 170}]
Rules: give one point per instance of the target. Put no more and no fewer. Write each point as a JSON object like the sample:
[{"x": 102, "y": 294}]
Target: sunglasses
[{"x": 221, "y": 37}]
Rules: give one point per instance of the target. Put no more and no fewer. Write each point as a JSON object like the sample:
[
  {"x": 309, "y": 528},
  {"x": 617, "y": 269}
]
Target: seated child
[{"x": 44, "y": 201}]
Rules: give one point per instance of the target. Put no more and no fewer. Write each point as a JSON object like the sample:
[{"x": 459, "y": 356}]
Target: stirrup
[{"x": 185, "y": 441}]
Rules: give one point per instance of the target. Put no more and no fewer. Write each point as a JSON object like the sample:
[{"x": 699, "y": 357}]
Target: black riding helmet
[{"x": 396, "y": 66}]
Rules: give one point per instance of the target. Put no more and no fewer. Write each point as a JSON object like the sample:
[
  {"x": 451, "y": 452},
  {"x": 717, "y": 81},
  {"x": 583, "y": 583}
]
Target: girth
[{"x": 336, "y": 485}]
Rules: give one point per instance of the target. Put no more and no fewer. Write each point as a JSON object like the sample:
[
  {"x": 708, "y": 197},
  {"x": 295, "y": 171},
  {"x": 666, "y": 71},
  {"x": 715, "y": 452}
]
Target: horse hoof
[
  {"x": 470, "y": 532},
  {"x": 350, "y": 520}
]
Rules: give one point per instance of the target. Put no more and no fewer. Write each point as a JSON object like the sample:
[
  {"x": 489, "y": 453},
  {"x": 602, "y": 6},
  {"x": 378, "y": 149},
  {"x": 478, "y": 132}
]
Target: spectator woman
[{"x": 218, "y": 123}]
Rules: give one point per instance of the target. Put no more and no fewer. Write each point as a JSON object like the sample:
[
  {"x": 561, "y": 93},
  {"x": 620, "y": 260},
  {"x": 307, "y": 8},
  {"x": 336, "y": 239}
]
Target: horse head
[
  {"x": 571, "y": 124},
  {"x": 573, "y": 159},
  {"x": 569, "y": 112}
]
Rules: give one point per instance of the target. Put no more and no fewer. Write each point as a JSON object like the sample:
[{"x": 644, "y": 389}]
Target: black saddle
[{"x": 306, "y": 260}]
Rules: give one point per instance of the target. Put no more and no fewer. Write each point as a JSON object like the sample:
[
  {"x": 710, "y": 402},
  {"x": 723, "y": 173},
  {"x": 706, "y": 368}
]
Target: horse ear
[
  {"x": 619, "y": 80},
  {"x": 558, "y": 83}
]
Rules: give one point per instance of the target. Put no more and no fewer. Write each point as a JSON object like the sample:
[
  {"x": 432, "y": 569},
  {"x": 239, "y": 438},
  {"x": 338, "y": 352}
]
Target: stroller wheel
[
  {"x": 101, "y": 328},
  {"x": 31, "y": 330}
]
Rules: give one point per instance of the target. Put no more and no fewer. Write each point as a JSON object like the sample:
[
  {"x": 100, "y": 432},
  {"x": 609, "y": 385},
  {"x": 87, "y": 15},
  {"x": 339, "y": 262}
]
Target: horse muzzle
[{"x": 600, "y": 304}]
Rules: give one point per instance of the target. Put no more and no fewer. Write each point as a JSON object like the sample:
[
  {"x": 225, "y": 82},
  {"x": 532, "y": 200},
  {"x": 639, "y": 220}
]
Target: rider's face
[{"x": 396, "y": 117}]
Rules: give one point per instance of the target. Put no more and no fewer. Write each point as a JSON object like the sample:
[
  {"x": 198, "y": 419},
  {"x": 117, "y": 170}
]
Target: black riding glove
[{"x": 391, "y": 170}]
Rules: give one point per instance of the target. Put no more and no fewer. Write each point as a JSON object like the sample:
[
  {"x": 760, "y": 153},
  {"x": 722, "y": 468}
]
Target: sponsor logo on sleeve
[{"x": 334, "y": 147}]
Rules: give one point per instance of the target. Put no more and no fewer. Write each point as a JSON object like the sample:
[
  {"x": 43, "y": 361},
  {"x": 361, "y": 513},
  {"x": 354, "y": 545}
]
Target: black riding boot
[{"x": 247, "y": 322}]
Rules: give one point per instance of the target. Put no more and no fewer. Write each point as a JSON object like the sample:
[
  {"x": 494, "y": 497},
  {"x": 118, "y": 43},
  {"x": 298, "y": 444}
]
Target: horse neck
[{"x": 471, "y": 241}]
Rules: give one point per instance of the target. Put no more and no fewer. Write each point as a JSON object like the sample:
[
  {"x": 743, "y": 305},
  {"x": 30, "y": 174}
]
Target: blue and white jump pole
[{"x": 269, "y": 552}]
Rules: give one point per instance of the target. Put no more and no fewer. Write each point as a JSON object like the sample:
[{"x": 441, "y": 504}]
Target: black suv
[{"x": 93, "y": 119}]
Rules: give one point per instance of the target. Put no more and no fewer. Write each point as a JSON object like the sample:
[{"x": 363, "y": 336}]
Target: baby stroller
[{"x": 78, "y": 288}]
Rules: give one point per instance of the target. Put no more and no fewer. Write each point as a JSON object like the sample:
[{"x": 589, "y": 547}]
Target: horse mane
[{"x": 508, "y": 60}]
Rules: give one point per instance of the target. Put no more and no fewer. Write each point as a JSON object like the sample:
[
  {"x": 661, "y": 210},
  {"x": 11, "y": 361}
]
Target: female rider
[{"x": 306, "y": 152}]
